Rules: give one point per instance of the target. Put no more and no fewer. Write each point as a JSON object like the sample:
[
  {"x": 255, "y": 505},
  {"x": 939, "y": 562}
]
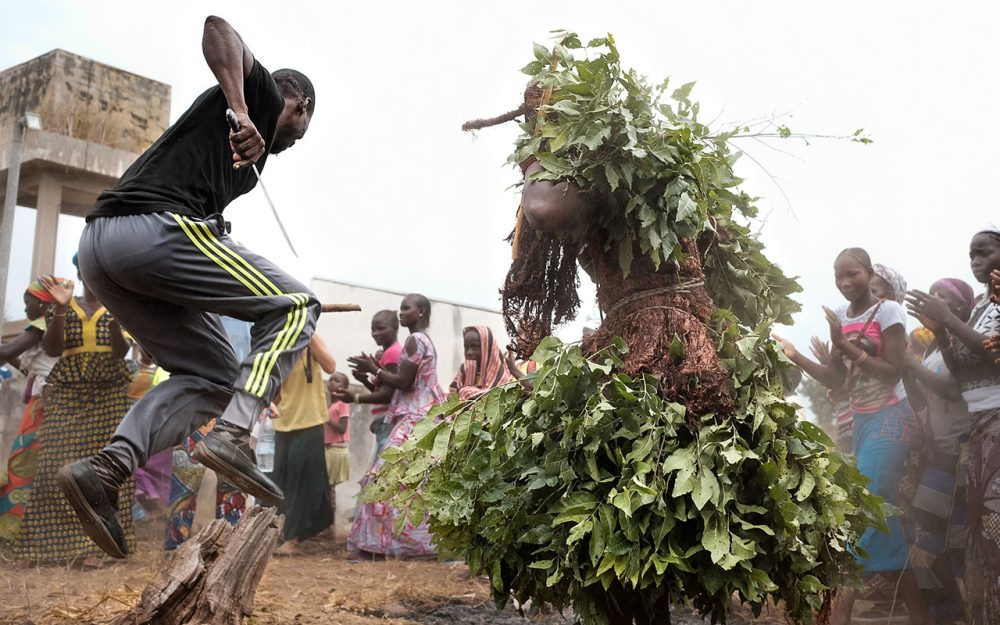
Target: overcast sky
[{"x": 386, "y": 190}]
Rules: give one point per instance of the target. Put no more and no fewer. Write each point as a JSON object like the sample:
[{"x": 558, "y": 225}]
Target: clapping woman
[
  {"x": 870, "y": 335},
  {"x": 26, "y": 350},
  {"x": 85, "y": 403}
]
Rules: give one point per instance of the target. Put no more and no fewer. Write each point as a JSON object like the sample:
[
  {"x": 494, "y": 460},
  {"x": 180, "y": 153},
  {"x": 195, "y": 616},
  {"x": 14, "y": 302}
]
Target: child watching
[{"x": 336, "y": 435}]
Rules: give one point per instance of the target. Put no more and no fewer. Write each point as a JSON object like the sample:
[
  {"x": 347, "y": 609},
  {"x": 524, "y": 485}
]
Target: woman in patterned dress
[
  {"x": 417, "y": 390},
  {"x": 187, "y": 473},
  {"x": 86, "y": 401}
]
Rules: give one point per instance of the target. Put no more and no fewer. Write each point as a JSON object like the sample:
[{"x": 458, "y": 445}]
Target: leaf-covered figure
[{"x": 658, "y": 463}]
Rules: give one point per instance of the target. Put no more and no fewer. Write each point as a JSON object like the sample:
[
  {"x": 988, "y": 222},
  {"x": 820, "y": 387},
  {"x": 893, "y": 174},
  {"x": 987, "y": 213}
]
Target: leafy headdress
[{"x": 655, "y": 174}]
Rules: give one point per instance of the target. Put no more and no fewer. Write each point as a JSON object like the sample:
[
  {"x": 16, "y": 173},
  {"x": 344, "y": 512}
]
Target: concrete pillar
[{"x": 46, "y": 226}]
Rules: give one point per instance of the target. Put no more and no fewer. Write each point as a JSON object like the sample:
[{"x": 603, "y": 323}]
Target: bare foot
[{"x": 843, "y": 605}]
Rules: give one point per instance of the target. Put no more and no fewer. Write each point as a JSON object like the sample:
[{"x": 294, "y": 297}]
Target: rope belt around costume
[{"x": 680, "y": 287}]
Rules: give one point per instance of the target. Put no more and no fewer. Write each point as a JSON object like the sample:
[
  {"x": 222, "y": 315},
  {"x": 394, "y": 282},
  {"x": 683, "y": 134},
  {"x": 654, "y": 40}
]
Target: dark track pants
[{"x": 166, "y": 278}]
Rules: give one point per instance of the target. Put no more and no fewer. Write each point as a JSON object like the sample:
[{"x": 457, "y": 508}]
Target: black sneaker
[
  {"x": 226, "y": 450},
  {"x": 95, "y": 505}
]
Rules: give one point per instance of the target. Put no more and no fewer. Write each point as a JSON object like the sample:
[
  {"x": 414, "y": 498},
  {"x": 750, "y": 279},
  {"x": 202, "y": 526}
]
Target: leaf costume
[{"x": 657, "y": 463}]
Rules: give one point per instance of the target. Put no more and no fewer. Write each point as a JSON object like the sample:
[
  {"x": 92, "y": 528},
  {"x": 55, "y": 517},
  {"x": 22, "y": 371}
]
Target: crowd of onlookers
[
  {"x": 84, "y": 372},
  {"x": 919, "y": 411}
]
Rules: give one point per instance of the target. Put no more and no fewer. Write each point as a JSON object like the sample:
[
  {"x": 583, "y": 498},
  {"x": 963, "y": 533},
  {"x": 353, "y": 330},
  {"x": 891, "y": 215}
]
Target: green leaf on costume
[{"x": 676, "y": 349}]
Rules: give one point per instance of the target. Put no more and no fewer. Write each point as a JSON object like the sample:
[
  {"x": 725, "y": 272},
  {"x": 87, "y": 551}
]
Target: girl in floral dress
[{"x": 417, "y": 390}]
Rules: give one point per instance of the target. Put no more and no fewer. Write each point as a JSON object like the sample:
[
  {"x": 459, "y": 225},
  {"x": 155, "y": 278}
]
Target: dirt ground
[{"x": 320, "y": 584}]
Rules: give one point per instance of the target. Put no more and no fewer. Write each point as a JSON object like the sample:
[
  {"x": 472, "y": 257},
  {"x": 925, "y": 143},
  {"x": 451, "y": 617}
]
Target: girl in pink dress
[{"x": 416, "y": 391}]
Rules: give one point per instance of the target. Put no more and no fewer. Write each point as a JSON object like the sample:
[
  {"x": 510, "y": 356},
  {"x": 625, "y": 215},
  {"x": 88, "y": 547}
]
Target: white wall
[{"x": 348, "y": 334}]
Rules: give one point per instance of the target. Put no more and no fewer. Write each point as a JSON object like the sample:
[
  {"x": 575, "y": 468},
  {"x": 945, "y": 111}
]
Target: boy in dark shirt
[{"x": 156, "y": 252}]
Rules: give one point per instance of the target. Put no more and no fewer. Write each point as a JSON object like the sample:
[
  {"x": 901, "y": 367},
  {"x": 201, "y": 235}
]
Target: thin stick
[
  {"x": 329, "y": 308},
  {"x": 478, "y": 124}
]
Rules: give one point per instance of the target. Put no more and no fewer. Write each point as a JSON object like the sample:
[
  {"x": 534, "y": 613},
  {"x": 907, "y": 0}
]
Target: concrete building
[{"x": 92, "y": 121}]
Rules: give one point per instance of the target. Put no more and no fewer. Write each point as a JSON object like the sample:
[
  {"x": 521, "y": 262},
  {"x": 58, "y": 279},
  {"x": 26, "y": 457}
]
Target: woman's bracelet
[
  {"x": 860, "y": 359},
  {"x": 62, "y": 314}
]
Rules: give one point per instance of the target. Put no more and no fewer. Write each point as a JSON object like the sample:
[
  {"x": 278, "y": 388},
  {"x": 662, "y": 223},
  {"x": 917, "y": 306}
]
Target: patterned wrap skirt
[
  {"x": 374, "y": 527},
  {"x": 982, "y": 565},
  {"x": 85, "y": 404},
  {"x": 882, "y": 441},
  {"x": 186, "y": 476},
  {"x": 21, "y": 466}
]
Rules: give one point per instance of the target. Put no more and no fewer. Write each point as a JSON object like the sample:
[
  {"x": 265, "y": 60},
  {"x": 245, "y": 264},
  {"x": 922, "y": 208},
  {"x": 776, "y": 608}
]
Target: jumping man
[{"x": 156, "y": 251}]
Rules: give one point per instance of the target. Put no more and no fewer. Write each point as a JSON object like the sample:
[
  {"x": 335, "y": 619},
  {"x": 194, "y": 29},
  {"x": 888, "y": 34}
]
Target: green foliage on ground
[{"x": 593, "y": 477}]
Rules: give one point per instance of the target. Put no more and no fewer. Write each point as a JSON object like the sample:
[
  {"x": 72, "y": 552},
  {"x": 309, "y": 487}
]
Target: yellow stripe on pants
[
  {"x": 235, "y": 265},
  {"x": 250, "y": 271},
  {"x": 294, "y": 324},
  {"x": 214, "y": 258}
]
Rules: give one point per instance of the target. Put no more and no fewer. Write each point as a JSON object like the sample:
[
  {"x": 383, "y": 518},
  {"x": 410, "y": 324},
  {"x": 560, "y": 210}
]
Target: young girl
[
  {"x": 869, "y": 335},
  {"x": 972, "y": 364},
  {"x": 417, "y": 390},
  {"x": 484, "y": 367},
  {"x": 336, "y": 437},
  {"x": 385, "y": 333}
]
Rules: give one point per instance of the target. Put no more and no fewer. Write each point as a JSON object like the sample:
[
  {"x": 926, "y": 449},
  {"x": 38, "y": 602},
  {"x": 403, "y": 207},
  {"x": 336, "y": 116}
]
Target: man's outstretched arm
[{"x": 231, "y": 61}]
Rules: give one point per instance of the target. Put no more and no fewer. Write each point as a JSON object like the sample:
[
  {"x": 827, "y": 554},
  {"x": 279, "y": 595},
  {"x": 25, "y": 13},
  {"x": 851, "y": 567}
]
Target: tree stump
[{"x": 213, "y": 577}]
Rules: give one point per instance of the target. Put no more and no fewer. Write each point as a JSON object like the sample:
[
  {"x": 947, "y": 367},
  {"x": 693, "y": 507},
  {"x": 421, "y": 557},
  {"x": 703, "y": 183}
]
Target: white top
[
  {"x": 35, "y": 362},
  {"x": 869, "y": 394},
  {"x": 982, "y": 393},
  {"x": 949, "y": 420}
]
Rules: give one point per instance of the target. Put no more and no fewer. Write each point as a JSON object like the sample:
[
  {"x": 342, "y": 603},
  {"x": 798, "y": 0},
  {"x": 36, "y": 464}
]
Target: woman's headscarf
[
  {"x": 958, "y": 288},
  {"x": 469, "y": 383},
  {"x": 894, "y": 278},
  {"x": 38, "y": 289},
  {"x": 990, "y": 229}
]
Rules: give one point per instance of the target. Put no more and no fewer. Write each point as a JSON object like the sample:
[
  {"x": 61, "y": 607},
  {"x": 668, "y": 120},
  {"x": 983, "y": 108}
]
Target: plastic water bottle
[{"x": 265, "y": 445}]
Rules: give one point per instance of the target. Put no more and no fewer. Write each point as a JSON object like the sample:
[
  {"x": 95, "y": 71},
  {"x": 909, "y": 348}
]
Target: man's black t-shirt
[{"x": 189, "y": 170}]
